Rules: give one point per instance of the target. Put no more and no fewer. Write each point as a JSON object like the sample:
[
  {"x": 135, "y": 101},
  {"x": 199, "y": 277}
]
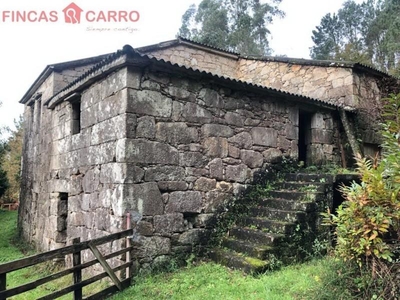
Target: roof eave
[
  {"x": 58, "y": 67},
  {"x": 37, "y": 83}
]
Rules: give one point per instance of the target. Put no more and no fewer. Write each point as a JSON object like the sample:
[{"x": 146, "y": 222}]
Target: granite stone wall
[
  {"x": 369, "y": 110},
  {"x": 171, "y": 150},
  {"x": 332, "y": 84},
  {"x": 65, "y": 176},
  {"x": 338, "y": 85}
]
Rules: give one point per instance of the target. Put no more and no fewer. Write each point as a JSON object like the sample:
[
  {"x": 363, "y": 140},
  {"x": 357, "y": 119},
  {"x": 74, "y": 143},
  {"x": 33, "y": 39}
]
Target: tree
[
  {"x": 383, "y": 36},
  {"x": 342, "y": 35},
  {"x": 3, "y": 175},
  {"x": 236, "y": 25},
  {"x": 326, "y": 38},
  {"x": 11, "y": 162},
  {"x": 368, "y": 33}
]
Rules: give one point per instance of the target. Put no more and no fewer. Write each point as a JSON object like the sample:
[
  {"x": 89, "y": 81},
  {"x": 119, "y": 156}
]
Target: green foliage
[
  {"x": 368, "y": 221},
  {"x": 366, "y": 33},
  {"x": 11, "y": 162},
  {"x": 230, "y": 24},
  {"x": 4, "y": 183}
]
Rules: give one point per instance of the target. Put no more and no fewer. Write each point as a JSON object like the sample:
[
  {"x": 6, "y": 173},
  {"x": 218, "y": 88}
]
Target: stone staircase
[{"x": 266, "y": 232}]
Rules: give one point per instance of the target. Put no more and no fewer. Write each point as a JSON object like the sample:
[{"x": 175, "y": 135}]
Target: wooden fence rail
[{"x": 76, "y": 270}]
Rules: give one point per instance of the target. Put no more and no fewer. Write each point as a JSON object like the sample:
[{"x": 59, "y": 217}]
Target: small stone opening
[
  {"x": 76, "y": 117},
  {"x": 62, "y": 214},
  {"x": 304, "y": 135}
]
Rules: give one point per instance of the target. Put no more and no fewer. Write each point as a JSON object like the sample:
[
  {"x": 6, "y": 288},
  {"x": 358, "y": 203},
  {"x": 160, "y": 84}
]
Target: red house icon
[{"x": 72, "y": 13}]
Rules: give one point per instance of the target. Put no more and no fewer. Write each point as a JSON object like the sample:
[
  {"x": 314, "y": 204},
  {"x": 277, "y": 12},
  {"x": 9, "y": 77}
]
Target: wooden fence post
[
  {"x": 3, "y": 283},
  {"x": 76, "y": 261},
  {"x": 128, "y": 244}
]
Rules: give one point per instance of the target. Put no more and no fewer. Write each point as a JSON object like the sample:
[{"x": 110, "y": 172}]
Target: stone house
[{"x": 170, "y": 133}]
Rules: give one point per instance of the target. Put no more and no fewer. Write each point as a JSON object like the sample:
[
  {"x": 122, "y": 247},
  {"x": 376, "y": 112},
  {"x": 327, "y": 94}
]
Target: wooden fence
[
  {"x": 9, "y": 206},
  {"x": 76, "y": 270}
]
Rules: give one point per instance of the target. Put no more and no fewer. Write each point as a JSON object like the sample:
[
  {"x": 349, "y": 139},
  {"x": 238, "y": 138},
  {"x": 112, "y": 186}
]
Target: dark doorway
[{"x": 304, "y": 134}]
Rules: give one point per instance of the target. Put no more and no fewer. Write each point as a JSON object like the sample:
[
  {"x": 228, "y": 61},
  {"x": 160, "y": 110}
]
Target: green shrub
[{"x": 368, "y": 222}]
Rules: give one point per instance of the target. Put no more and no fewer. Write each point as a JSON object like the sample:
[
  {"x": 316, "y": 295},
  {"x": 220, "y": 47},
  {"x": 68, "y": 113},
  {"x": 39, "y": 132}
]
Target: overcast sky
[{"x": 27, "y": 47}]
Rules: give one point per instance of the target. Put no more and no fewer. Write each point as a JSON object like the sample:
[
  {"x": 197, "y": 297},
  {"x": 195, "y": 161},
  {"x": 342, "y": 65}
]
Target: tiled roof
[
  {"x": 182, "y": 40},
  {"x": 300, "y": 61},
  {"x": 130, "y": 52}
]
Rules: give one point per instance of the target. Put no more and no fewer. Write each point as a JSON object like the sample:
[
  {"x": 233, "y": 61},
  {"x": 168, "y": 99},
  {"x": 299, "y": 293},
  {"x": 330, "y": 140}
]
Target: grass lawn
[
  {"x": 10, "y": 249},
  {"x": 8, "y": 229},
  {"x": 212, "y": 281},
  {"x": 203, "y": 281}
]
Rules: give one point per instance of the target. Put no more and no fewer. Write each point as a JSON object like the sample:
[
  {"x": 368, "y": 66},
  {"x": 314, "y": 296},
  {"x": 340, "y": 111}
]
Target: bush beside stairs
[{"x": 266, "y": 234}]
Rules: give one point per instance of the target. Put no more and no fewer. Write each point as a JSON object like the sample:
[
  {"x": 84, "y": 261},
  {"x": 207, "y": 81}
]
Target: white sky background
[{"x": 26, "y": 48}]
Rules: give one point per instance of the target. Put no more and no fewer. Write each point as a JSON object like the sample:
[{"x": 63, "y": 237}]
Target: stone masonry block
[
  {"x": 91, "y": 180},
  {"x": 216, "y": 147},
  {"x": 169, "y": 223},
  {"x": 216, "y": 167},
  {"x": 215, "y": 200},
  {"x": 165, "y": 173},
  {"x": 149, "y": 103},
  {"x": 251, "y": 158},
  {"x": 192, "y": 159},
  {"x": 144, "y": 198},
  {"x": 184, "y": 202},
  {"x": 235, "y": 119},
  {"x": 264, "y": 136},
  {"x": 172, "y": 186},
  {"x": 321, "y": 136},
  {"x": 105, "y": 131},
  {"x": 317, "y": 121},
  {"x": 210, "y": 98},
  {"x": 192, "y": 112},
  {"x": 176, "y": 133},
  {"x": 154, "y": 246},
  {"x": 216, "y": 130},
  {"x": 242, "y": 140},
  {"x": 194, "y": 236},
  {"x": 239, "y": 173},
  {"x": 146, "y": 152},
  {"x": 272, "y": 155},
  {"x": 146, "y": 127},
  {"x": 120, "y": 173},
  {"x": 205, "y": 184}
]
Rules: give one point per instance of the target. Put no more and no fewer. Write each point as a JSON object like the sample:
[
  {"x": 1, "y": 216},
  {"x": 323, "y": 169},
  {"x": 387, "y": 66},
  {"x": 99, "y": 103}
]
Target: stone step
[
  {"x": 322, "y": 178},
  {"x": 297, "y": 196},
  {"x": 270, "y": 225},
  {"x": 302, "y": 186},
  {"x": 251, "y": 249},
  {"x": 238, "y": 261},
  {"x": 277, "y": 214},
  {"x": 255, "y": 236},
  {"x": 283, "y": 204}
]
